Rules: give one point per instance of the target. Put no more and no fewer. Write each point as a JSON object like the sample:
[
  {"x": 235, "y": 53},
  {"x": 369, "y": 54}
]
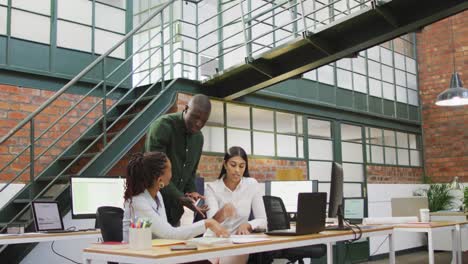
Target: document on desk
[{"x": 243, "y": 239}]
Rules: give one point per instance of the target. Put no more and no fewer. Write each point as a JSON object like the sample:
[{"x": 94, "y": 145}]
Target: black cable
[
  {"x": 378, "y": 247},
  {"x": 58, "y": 254}
]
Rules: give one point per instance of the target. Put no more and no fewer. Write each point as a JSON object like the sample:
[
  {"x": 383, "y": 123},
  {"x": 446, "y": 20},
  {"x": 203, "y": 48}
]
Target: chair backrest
[
  {"x": 277, "y": 216},
  {"x": 109, "y": 220}
]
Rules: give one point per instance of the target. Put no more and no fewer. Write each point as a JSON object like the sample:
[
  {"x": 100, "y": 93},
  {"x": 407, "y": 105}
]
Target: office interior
[{"x": 297, "y": 84}]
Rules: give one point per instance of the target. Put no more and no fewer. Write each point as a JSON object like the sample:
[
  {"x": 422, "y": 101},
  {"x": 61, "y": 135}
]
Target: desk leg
[
  {"x": 430, "y": 247},
  {"x": 454, "y": 246},
  {"x": 391, "y": 249},
  {"x": 329, "y": 253},
  {"x": 459, "y": 244}
]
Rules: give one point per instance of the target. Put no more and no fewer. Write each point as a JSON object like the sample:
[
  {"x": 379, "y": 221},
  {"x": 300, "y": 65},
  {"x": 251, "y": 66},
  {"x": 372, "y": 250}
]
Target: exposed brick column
[{"x": 445, "y": 128}]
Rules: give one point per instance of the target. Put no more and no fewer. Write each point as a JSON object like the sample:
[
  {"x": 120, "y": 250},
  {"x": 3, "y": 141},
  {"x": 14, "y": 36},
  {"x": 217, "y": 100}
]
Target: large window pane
[
  {"x": 353, "y": 172},
  {"x": 104, "y": 40},
  {"x": 262, "y": 119},
  {"x": 410, "y": 65},
  {"x": 377, "y": 154},
  {"x": 76, "y": 10},
  {"x": 388, "y": 91},
  {"x": 387, "y": 74},
  {"x": 286, "y": 146},
  {"x": 413, "y": 97},
  {"x": 411, "y": 81},
  {"x": 386, "y": 56},
  {"x": 116, "y": 3},
  {"x": 351, "y": 152},
  {"x": 344, "y": 63},
  {"x": 3, "y": 20},
  {"x": 110, "y": 18},
  {"x": 352, "y": 190},
  {"x": 402, "y": 140},
  {"x": 237, "y": 116},
  {"x": 375, "y": 136},
  {"x": 213, "y": 139},
  {"x": 403, "y": 157},
  {"x": 264, "y": 143},
  {"x": 390, "y": 156},
  {"x": 401, "y": 94},
  {"x": 38, "y": 6},
  {"x": 360, "y": 83},
  {"x": 412, "y": 142},
  {"x": 399, "y": 61},
  {"x": 73, "y": 36},
  {"x": 240, "y": 138},
  {"x": 374, "y": 70},
  {"x": 299, "y": 124},
  {"x": 310, "y": 75},
  {"x": 373, "y": 53},
  {"x": 415, "y": 157},
  {"x": 217, "y": 113},
  {"x": 375, "y": 87},
  {"x": 320, "y": 149},
  {"x": 22, "y": 23},
  {"x": 319, "y": 128},
  {"x": 351, "y": 133},
  {"x": 300, "y": 147},
  {"x": 400, "y": 78},
  {"x": 344, "y": 79},
  {"x": 359, "y": 65},
  {"x": 325, "y": 75},
  {"x": 389, "y": 138},
  {"x": 319, "y": 170},
  {"x": 285, "y": 123}
]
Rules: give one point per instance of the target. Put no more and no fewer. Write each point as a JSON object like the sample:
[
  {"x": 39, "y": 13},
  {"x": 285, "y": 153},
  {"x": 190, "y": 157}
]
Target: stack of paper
[{"x": 207, "y": 241}]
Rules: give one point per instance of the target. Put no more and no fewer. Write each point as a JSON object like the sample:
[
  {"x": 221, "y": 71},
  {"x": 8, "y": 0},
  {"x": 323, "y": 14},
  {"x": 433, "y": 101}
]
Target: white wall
[
  {"x": 379, "y": 196},
  {"x": 9, "y": 192}
]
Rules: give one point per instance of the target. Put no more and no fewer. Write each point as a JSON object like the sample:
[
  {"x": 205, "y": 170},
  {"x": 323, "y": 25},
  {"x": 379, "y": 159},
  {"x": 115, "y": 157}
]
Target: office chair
[
  {"x": 109, "y": 220},
  {"x": 278, "y": 218}
]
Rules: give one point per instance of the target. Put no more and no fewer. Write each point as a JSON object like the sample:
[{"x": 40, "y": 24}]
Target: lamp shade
[{"x": 455, "y": 95}]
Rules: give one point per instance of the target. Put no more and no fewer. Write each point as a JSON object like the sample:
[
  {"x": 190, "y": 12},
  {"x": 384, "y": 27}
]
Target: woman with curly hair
[{"x": 147, "y": 174}]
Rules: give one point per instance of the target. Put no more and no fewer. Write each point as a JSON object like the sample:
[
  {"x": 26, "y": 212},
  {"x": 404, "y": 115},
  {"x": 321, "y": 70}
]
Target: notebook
[{"x": 310, "y": 215}]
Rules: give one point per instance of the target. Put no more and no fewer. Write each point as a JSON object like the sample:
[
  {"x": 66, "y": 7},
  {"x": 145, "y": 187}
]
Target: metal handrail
[{"x": 84, "y": 72}]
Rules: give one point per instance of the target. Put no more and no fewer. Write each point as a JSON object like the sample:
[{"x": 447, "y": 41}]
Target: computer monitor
[
  {"x": 288, "y": 191},
  {"x": 89, "y": 193},
  {"x": 335, "y": 208},
  {"x": 353, "y": 208}
]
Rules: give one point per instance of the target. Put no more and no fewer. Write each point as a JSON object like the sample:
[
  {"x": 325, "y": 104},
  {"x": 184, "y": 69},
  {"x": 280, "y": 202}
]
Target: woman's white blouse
[
  {"x": 246, "y": 197},
  {"x": 145, "y": 206}
]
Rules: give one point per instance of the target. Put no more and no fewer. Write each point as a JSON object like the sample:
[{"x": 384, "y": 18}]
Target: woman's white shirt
[
  {"x": 145, "y": 206},
  {"x": 245, "y": 198}
]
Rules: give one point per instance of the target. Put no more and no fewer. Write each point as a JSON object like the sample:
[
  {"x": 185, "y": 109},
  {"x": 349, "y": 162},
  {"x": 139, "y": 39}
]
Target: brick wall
[
  {"x": 392, "y": 174},
  {"x": 445, "y": 128},
  {"x": 16, "y": 103}
]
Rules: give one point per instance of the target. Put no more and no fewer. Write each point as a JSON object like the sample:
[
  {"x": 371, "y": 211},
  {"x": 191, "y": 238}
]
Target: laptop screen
[{"x": 47, "y": 216}]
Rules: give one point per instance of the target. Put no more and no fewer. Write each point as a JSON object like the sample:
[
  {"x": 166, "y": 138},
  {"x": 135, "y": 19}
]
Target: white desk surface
[
  {"x": 43, "y": 237},
  {"x": 163, "y": 254}
]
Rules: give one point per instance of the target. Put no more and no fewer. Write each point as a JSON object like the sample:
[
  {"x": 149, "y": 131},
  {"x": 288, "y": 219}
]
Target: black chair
[
  {"x": 278, "y": 218},
  {"x": 109, "y": 220}
]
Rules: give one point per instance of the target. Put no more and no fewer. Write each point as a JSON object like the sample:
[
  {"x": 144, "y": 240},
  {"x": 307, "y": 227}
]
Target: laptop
[
  {"x": 47, "y": 217},
  {"x": 310, "y": 215}
]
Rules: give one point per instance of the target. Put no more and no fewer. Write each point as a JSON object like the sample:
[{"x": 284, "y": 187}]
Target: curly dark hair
[
  {"x": 142, "y": 171},
  {"x": 234, "y": 152}
]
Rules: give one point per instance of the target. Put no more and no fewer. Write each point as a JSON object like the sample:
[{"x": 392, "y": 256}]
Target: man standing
[{"x": 179, "y": 136}]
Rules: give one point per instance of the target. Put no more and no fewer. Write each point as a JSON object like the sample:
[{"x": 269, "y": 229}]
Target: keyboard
[{"x": 282, "y": 232}]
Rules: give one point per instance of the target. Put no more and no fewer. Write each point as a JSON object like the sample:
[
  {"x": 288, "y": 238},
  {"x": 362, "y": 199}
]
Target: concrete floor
[{"x": 421, "y": 257}]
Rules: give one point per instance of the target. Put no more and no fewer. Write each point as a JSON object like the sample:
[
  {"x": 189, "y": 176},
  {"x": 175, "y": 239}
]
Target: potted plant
[
  {"x": 438, "y": 196},
  {"x": 465, "y": 200}
]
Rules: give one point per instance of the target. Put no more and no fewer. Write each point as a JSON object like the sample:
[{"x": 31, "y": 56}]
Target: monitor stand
[{"x": 340, "y": 226}]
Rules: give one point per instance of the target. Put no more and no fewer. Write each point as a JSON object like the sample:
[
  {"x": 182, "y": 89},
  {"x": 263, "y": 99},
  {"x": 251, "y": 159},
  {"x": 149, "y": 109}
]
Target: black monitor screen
[{"x": 336, "y": 189}]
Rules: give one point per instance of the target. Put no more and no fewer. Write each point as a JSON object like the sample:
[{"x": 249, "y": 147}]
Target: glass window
[
  {"x": 373, "y": 53},
  {"x": 410, "y": 65},
  {"x": 310, "y": 75},
  {"x": 403, "y": 157},
  {"x": 374, "y": 70},
  {"x": 401, "y": 94},
  {"x": 300, "y": 147},
  {"x": 73, "y": 36},
  {"x": 262, "y": 119},
  {"x": 320, "y": 170},
  {"x": 22, "y": 23},
  {"x": 415, "y": 157},
  {"x": 402, "y": 140},
  {"x": 413, "y": 97},
  {"x": 375, "y": 136},
  {"x": 344, "y": 63},
  {"x": 359, "y": 65},
  {"x": 386, "y": 56},
  {"x": 352, "y": 190},
  {"x": 116, "y": 3},
  {"x": 299, "y": 125},
  {"x": 377, "y": 154},
  {"x": 399, "y": 61},
  {"x": 344, "y": 79},
  {"x": 400, "y": 78},
  {"x": 353, "y": 172},
  {"x": 217, "y": 113},
  {"x": 104, "y": 40},
  {"x": 388, "y": 91},
  {"x": 76, "y": 10},
  {"x": 240, "y": 138},
  {"x": 286, "y": 146},
  {"x": 320, "y": 149},
  {"x": 389, "y": 138},
  {"x": 264, "y": 143},
  {"x": 319, "y": 128},
  {"x": 285, "y": 123},
  {"x": 412, "y": 142},
  {"x": 375, "y": 87},
  {"x": 390, "y": 156},
  {"x": 325, "y": 75},
  {"x": 411, "y": 81},
  {"x": 360, "y": 83},
  {"x": 237, "y": 116},
  {"x": 3, "y": 20},
  {"x": 351, "y": 133},
  {"x": 387, "y": 74},
  {"x": 110, "y": 18},
  {"x": 213, "y": 139},
  {"x": 38, "y": 6},
  {"x": 352, "y": 152}
]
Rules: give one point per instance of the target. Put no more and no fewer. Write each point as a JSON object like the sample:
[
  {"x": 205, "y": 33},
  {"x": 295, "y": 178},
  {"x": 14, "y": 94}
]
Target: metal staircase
[{"x": 117, "y": 120}]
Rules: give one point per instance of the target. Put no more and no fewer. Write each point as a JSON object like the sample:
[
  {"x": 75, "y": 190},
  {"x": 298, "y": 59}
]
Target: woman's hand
[
  {"x": 227, "y": 211},
  {"x": 244, "y": 229},
  {"x": 214, "y": 226}
]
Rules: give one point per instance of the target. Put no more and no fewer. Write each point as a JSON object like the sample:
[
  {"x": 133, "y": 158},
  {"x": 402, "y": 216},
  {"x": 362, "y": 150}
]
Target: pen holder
[{"x": 139, "y": 238}]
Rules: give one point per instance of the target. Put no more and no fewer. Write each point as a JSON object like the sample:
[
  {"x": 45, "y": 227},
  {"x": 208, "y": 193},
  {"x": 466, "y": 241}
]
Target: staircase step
[
  {"x": 144, "y": 99},
  {"x": 61, "y": 179},
  {"x": 91, "y": 138},
  {"x": 15, "y": 223},
  {"x": 72, "y": 157},
  {"x": 125, "y": 117},
  {"x": 26, "y": 201}
]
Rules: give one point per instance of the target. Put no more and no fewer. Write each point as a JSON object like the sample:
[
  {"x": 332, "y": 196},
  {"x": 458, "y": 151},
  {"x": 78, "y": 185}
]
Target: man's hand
[
  {"x": 190, "y": 204},
  {"x": 195, "y": 196},
  {"x": 218, "y": 229},
  {"x": 244, "y": 229}
]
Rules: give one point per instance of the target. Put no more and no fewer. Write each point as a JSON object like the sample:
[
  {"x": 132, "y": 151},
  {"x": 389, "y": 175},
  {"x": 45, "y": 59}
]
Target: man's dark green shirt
[{"x": 168, "y": 134}]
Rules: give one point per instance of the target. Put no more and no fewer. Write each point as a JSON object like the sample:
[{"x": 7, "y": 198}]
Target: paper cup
[
  {"x": 139, "y": 238},
  {"x": 424, "y": 215}
]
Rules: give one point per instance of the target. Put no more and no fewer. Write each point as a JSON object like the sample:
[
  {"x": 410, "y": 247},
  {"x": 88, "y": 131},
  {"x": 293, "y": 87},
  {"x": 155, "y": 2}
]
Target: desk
[
  {"x": 443, "y": 237},
  {"x": 453, "y": 227},
  {"x": 163, "y": 255},
  {"x": 8, "y": 239}
]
